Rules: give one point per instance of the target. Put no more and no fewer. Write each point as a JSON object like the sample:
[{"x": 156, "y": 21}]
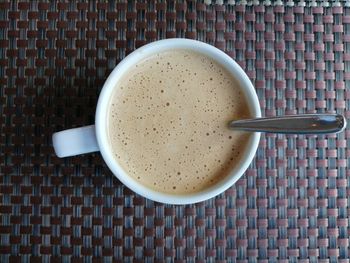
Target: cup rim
[{"x": 102, "y": 111}]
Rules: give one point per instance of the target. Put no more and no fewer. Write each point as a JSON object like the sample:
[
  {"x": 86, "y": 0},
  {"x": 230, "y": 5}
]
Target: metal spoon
[{"x": 297, "y": 124}]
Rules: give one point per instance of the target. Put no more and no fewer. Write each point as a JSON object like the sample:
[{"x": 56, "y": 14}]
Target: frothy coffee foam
[{"x": 168, "y": 122}]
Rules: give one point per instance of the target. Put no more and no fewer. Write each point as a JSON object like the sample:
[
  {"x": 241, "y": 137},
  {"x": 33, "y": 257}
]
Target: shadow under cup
[{"x": 102, "y": 114}]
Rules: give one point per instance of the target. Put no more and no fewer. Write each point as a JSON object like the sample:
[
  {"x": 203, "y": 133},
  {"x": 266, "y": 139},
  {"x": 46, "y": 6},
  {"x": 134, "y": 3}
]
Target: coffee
[{"x": 167, "y": 122}]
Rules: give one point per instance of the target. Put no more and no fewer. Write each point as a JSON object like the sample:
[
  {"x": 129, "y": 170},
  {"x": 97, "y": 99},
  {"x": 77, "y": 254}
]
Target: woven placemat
[{"x": 292, "y": 203}]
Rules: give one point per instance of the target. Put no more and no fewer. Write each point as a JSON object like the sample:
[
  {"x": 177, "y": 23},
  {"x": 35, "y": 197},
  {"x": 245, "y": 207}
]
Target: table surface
[{"x": 291, "y": 204}]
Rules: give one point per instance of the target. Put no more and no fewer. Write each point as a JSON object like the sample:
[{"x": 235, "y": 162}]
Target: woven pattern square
[{"x": 291, "y": 204}]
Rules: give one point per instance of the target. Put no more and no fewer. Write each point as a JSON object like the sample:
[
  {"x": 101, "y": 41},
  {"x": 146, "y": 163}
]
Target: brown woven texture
[{"x": 291, "y": 204}]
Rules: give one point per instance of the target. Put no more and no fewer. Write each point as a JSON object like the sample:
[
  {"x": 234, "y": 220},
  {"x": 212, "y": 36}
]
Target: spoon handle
[{"x": 297, "y": 124}]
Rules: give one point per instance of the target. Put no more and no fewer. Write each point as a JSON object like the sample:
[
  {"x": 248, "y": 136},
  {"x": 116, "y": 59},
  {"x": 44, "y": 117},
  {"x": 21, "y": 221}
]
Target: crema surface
[{"x": 168, "y": 122}]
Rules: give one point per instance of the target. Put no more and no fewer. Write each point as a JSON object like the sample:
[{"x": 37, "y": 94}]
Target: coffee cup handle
[{"x": 75, "y": 141}]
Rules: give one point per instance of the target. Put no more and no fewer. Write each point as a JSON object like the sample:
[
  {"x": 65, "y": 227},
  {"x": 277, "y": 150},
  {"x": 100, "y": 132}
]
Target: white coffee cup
[{"x": 94, "y": 138}]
